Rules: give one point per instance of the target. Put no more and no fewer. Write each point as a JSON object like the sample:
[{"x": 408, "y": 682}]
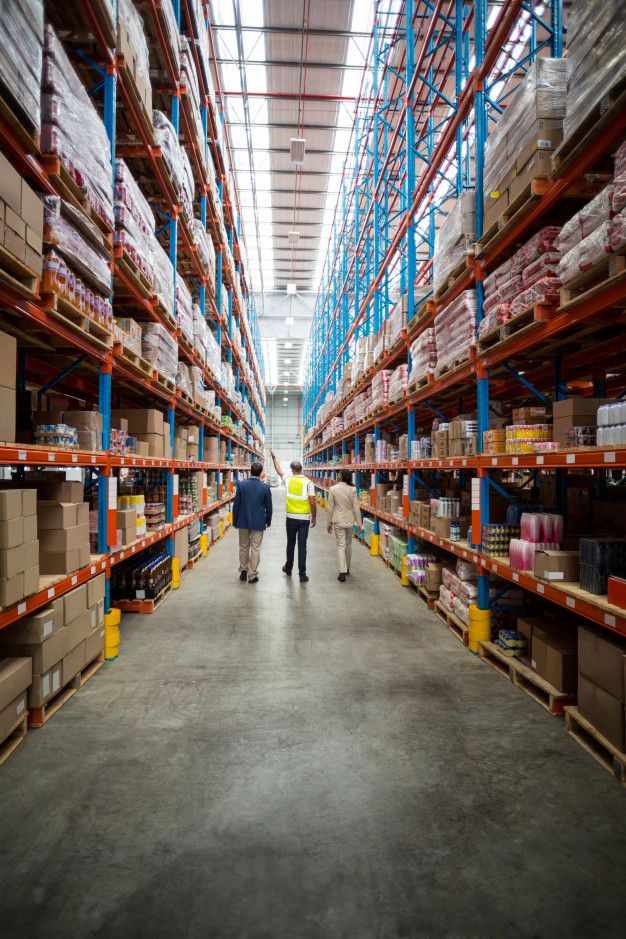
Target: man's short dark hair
[
  {"x": 295, "y": 466},
  {"x": 345, "y": 476},
  {"x": 256, "y": 469}
]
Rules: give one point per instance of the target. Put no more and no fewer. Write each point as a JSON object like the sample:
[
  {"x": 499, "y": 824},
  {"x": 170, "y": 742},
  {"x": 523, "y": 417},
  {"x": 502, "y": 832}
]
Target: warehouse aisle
[{"x": 325, "y": 760}]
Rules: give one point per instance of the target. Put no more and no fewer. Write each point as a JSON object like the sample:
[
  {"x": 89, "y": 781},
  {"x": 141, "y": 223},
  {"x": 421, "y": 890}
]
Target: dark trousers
[{"x": 300, "y": 530}]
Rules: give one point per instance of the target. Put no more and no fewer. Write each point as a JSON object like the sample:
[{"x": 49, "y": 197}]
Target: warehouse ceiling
[{"x": 289, "y": 69}]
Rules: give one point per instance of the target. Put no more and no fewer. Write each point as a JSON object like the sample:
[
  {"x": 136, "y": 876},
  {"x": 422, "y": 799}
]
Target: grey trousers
[
  {"x": 343, "y": 537},
  {"x": 249, "y": 550}
]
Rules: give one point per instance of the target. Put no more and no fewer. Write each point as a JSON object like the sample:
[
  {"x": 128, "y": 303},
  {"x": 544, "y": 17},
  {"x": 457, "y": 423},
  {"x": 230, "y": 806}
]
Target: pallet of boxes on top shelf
[
  {"x": 20, "y": 71},
  {"x": 133, "y": 64},
  {"x": 453, "y": 244}
]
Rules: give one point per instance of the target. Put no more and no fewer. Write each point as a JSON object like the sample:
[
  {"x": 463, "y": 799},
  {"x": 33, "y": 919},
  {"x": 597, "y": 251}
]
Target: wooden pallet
[
  {"x": 191, "y": 563},
  {"x": 133, "y": 359},
  {"x": 534, "y": 190},
  {"x": 597, "y": 120},
  {"x": 73, "y": 20},
  {"x": 416, "y": 386},
  {"x": 144, "y": 606},
  {"x": 69, "y": 315},
  {"x": 14, "y": 738},
  {"x": 456, "y": 626},
  {"x": 67, "y": 187},
  {"x": 14, "y": 117},
  {"x": 525, "y": 321},
  {"x": 524, "y": 677},
  {"x": 605, "y": 273},
  {"x": 16, "y": 275},
  {"x": 124, "y": 263},
  {"x": 590, "y": 739},
  {"x": 427, "y": 596}
]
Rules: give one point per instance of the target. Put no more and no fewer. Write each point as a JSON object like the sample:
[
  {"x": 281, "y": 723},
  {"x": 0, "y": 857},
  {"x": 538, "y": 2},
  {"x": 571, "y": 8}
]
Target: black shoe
[
  {"x": 243, "y": 575},
  {"x": 347, "y": 573},
  {"x": 342, "y": 578},
  {"x": 253, "y": 580},
  {"x": 286, "y": 570},
  {"x": 304, "y": 579}
]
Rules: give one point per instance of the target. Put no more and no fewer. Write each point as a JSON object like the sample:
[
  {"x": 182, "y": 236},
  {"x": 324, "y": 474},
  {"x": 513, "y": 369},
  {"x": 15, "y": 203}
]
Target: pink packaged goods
[{"x": 455, "y": 330}]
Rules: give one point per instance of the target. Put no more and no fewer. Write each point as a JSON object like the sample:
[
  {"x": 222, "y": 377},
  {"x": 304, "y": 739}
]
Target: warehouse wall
[{"x": 283, "y": 428}]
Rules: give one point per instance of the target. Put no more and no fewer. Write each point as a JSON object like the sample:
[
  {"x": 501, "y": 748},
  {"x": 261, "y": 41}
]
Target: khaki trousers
[
  {"x": 249, "y": 550},
  {"x": 343, "y": 537}
]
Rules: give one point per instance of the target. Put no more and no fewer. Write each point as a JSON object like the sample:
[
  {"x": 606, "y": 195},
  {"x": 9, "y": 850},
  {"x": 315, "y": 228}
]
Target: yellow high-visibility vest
[{"x": 297, "y": 498}]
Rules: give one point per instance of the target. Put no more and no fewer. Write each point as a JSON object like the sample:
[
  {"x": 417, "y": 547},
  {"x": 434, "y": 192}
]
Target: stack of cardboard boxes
[
  {"x": 21, "y": 221},
  {"x": 551, "y": 649},
  {"x": 149, "y": 428},
  {"x": 8, "y": 366},
  {"x": 187, "y": 442},
  {"x": 126, "y": 526},
  {"x": 59, "y": 640},
  {"x": 16, "y": 676},
  {"x": 63, "y": 525},
  {"x": 19, "y": 548},
  {"x": 602, "y": 683}
]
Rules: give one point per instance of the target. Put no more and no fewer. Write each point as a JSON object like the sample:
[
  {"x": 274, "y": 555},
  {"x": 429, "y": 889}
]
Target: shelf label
[
  {"x": 74, "y": 579},
  {"x": 50, "y": 593},
  {"x": 464, "y": 462},
  {"x": 74, "y": 458},
  {"x": 570, "y": 457},
  {"x": 515, "y": 577},
  {"x": 93, "y": 569},
  {"x": 515, "y": 461},
  {"x": 539, "y": 461},
  {"x": 609, "y": 620},
  {"x": 21, "y": 454},
  {"x": 51, "y": 458},
  {"x": 21, "y": 608},
  {"x": 541, "y": 588},
  {"x": 571, "y": 603},
  {"x": 609, "y": 457},
  {"x": 494, "y": 461},
  {"x": 93, "y": 459}
]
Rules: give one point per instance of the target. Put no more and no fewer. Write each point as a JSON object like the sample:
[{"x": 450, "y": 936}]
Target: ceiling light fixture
[
  {"x": 291, "y": 288},
  {"x": 296, "y": 150},
  {"x": 289, "y": 321},
  {"x": 287, "y": 361},
  {"x": 293, "y": 238}
]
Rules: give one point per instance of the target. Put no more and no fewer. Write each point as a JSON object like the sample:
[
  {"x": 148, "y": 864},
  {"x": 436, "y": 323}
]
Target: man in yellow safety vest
[{"x": 301, "y": 514}]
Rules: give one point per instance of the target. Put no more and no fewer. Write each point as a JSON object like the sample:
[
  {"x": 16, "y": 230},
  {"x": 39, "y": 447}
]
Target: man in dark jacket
[{"x": 252, "y": 514}]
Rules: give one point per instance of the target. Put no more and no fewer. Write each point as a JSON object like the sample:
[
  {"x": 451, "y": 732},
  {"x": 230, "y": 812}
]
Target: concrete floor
[{"x": 283, "y": 761}]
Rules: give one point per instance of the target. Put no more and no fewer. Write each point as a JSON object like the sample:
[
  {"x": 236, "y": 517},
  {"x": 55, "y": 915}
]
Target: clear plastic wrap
[
  {"x": 540, "y": 96},
  {"x": 134, "y": 222},
  {"x": 184, "y": 309},
  {"x": 423, "y": 356},
  {"x": 59, "y": 279},
  {"x": 452, "y": 241},
  {"x": 398, "y": 382},
  {"x": 62, "y": 233},
  {"x": 189, "y": 81},
  {"x": 619, "y": 180},
  {"x": 160, "y": 349},
  {"x": 183, "y": 379},
  {"x": 21, "y": 50},
  {"x": 585, "y": 254},
  {"x": 163, "y": 277},
  {"x": 380, "y": 387},
  {"x": 131, "y": 334},
  {"x": 72, "y": 129},
  {"x": 128, "y": 14},
  {"x": 177, "y": 162},
  {"x": 586, "y": 220},
  {"x": 455, "y": 331},
  {"x": 545, "y": 291},
  {"x": 206, "y": 251},
  {"x": 595, "y": 56},
  {"x": 396, "y": 322}
]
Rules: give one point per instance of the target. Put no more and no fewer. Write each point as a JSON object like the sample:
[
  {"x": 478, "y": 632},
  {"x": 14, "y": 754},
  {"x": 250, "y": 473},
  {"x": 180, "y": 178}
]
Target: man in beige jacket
[{"x": 344, "y": 513}]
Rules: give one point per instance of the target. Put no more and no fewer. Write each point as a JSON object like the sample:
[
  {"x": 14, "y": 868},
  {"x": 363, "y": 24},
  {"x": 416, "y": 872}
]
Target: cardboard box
[
  {"x": 8, "y": 361},
  {"x": 64, "y": 539},
  {"x": 211, "y": 450},
  {"x": 94, "y": 645},
  {"x": 74, "y": 603},
  {"x": 12, "y": 714},
  {"x": 45, "y": 686},
  {"x": 495, "y": 208},
  {"x": 11, "y": 590},
  {"x": 10, "y": 504},
  {"x": 40, "y": 625},
  {"x": 96, "y": 615},
  {"x": 141, "y": 421},
  {"x": 602, "y": 659},
  {"x": 577, "y": 410},
  {"x": 63, "y": 490},
  {"x": 77, "y": 630},
  {"x": 74, "y": 662},
  {"x": 539, "y": 166},
  {"x": 601, "y": 709},
  {"x": 557, "y": 565},
  {"x": 12, "y": 562},
  {"x": 16, "y": 674},
  {"x": 84, "y": 420},
  {"x": 31, "y": 580},
  {"x": 433, "y": 576},
  {"x": 555, "y": 658},
  {"x": 154, "y": 442},
  {"x": 181, "y": 545},
  {"x": 142, "y": 449},
  {"x": 7, "y": 415},
  {"x": 60, "y": 562},
  {"x": 11, "y": 533},
  {"x": 95, "y": 589},
  {"x": 82, "y": 513},
  {"x": 545, "y": 134},
  {"x": 30, "y": 528},
  {"x": 44, "y": 654},
  {"x": 441, "y": 527},
  {"x": 10, "y": 185}
]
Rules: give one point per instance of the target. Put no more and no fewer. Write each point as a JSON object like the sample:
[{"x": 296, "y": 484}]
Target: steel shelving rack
[
  {"x": 437, "y": 70},
  {"x": 87, "y": 365}
]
